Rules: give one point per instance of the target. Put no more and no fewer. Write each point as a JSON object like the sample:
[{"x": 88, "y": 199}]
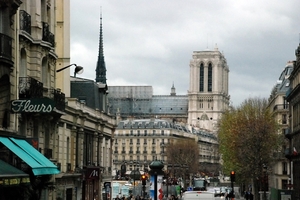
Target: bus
[{"x": 199, "y": 184}]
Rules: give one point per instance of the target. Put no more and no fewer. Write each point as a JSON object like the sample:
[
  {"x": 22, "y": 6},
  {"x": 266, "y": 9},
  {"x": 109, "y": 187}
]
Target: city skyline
[{"x": 151, "y": 43}]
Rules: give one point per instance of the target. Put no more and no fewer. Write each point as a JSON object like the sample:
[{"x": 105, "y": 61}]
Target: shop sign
[
  {"x": 37, "y": 105},
  {"x": 92, "y": 173},
  {"x": 14, "y": 181}
]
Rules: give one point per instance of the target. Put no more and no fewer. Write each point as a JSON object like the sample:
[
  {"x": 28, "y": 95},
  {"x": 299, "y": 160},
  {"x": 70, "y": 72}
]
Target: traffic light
[
  {"x": 232, "y": 176},
  {"x": 144, "y": 178}
]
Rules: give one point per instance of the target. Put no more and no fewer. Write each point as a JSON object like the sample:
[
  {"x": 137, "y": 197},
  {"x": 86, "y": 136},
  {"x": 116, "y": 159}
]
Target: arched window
[
  {"x": 209, "y": 78},
  {"x": 201, "y": 89}
]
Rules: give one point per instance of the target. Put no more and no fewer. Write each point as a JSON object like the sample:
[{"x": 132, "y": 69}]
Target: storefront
[
  {"x": 91, "y": 183},
  {"x": 23, "y": 170},
  {"x": 13, "y": 182}
]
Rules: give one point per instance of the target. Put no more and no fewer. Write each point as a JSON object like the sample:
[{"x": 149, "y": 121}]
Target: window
[
  {"x": 284, "y": 119},
  {"x": 162, "y": 132},
  {"x": 209, "y": 78},
  {"x": 88, "y": 149},
  {"x": 200, "y": 103},
  {"x": 45, "y": 73},
  {"x": 201, "y": 78},
  {"x": 285, "y": 103},
  {"x": 131, "y": 132},
  {"x": 284, "y": 168},
  {"x": 138, "y": 141},
  {"x": 145, "y": 133}
]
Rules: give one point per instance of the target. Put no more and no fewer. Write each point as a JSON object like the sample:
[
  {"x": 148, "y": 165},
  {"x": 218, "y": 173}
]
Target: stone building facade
[
  {"x": 31, "y": 106},
  {"x": 46, "y": 136},
  {"x": 293, "y": 134},
  {"x": 140, "y": 141},
  {"x": 278, "y": 105}
]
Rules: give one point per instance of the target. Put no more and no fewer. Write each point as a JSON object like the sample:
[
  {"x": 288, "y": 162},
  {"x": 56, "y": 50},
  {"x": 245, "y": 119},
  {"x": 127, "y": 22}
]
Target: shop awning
[
  {"x": 7, "y": 170},
  {"x": 39, "y": 163},
  {"x": 9, "y": 175}
]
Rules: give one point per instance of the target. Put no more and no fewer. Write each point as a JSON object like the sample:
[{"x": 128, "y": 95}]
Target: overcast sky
[{"x": 151, "y": 42}]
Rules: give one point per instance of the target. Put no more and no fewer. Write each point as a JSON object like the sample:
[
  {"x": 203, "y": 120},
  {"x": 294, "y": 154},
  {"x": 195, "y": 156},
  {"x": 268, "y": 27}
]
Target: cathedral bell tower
[{"x": 208, "y": 91}]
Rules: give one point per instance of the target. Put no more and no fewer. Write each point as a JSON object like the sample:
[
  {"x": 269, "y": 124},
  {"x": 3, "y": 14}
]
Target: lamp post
[
  {"x": 265, "y": 180},
  {"x": 135, "y": 174},
  {"x": 185, "y": 169},
  {"x": 78, "y": 69}
]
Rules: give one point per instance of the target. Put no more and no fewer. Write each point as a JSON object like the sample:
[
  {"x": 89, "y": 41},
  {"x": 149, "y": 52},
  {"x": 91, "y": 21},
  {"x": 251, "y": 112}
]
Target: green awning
[
  {"x": 39, "y": 163},
  {"x": 9, "y": 175},
  {"x": 7, "y": 170}
]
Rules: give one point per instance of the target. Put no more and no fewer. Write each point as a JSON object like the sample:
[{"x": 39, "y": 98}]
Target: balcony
[
  {"x": 280, "y": 107},
  {"x": 30, "y": 88},
  {"x": 59, "y": 99},
  {"x": 25, "y": 21},
  {"x": 47, "y": 35},
  {"x": 5, "y": 49}
]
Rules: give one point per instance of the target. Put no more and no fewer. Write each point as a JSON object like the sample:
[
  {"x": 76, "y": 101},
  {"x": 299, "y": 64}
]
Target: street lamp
[
  {"x": 135, "y": 174},
  {"x": 185, "y": 170},
  {"x": 78, "y": 69},
  {"x": 265, "y": 180}
]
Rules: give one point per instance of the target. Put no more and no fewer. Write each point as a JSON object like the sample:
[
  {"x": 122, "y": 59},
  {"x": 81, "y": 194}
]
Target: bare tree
[{"x": 183, "y": 153}]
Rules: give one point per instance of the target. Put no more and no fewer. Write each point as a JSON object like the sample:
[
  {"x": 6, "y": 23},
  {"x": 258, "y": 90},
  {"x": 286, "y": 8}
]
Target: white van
[{"x": 198, "y": 195}]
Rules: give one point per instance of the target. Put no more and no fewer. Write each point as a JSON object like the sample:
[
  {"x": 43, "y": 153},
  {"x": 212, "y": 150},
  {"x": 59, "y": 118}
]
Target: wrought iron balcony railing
[
  {"x": 5, "y": 47},
  {"x": 47, "y": 35},
  {"x": 25, "y": 21},
  {"x": 280, "y": 107},
  {"x": 59, "y": 99},
  {"x": 30, "y": 88}
]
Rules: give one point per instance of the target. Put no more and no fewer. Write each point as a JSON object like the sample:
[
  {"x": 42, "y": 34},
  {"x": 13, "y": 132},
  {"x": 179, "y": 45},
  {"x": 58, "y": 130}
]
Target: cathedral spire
[
  {"x": 100, "y": 68},
  {"x": 173, "y": 90}
]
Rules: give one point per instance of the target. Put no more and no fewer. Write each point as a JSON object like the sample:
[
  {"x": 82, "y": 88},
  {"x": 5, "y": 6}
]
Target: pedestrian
[
  {"x": 246, "y": 195},
  {"x": 250, "y": 196}
]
